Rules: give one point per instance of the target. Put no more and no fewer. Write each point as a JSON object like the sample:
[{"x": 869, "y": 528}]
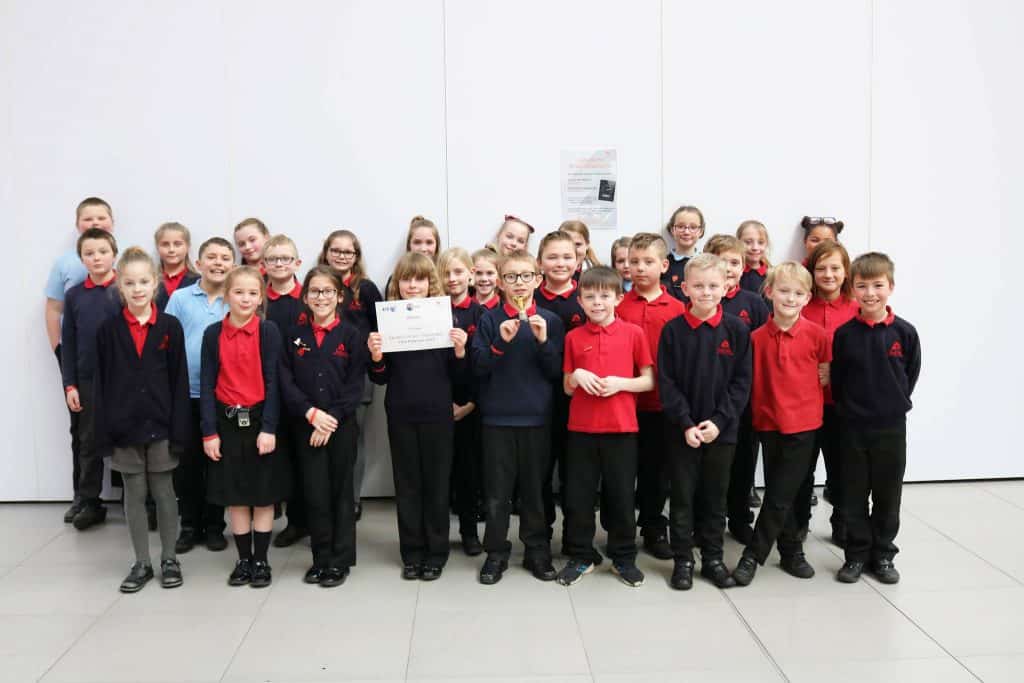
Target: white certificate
[{"x": 415, "y": 324}]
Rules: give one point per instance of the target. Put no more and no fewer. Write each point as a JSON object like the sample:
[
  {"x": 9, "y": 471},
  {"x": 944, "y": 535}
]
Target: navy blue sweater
[
  {"x": 752, "y": 281},
  {"x": 516, "y": 378},
  {"x": 286, "y": 311},
  {"x": 361, "y": 311},
  {"x": 705, "y": 373},
  {"x": 675, "y": 275},
  {"x": 420, "y": 384},
  {"x": 874, "y": 371},
  {"x": 141, "y": 400},
  {"x": 85, "y": 309},
  {"x": 270, "y": 354},
  {"x": 329, "y": 377},
  {"x": 566, "y": 306},
  {"x": 467, "y": 319},
  {"x": 748, "y": 307},
  {"x": 162, "y": 297}
]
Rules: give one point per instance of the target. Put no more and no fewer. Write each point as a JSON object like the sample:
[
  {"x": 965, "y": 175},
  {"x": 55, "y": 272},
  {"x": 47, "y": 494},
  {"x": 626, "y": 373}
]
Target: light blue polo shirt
[
  {"x": 192, "y": 307},
  {"x": 67, "y": 272}
]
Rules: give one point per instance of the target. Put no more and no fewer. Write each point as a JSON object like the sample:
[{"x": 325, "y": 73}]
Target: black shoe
[
  {"x": 90, "y": 515},
  {"x": 170, "y": 574},
  {"x": 215, "y": 541},
  {"x": 682, "y": 575},
  {"x": 471, "y": 545},
  {"x": 290, "y": 536},
  {"x": 151, "y": 517},
  {"x": 69, "y": 514},
  {"x": 261, "y": 575},
  {"x": 335, "y": 576},
  {"x": 850, "y": 572},
  {"x": 717, "y": 573},
  {"x": 412, "y": 572},
  {"x": 359, "y": 511},
  {"x": 814, "y": 499},
  {"x": 745, "y": 570},
  {"x": 656, "y": 544},
  {"x": 885, "y": 572},
  {"x": 628, "y": 574},
  {"x": 492, "y": 570},
  {"x": 541, "y": 569},
  {"x": 573, "y": 571},
  {"x": 314, "y": 574},
  {"x": 138, "y": 576},
  {"x": 186, "y": 541},
  {"x": 753, "y": 500},
  {"x": 743, "y": 533},
  {"x": 797, "y": 565},
  {"x": 242, "y": 573},
  {"x": 431, "y": 572}
]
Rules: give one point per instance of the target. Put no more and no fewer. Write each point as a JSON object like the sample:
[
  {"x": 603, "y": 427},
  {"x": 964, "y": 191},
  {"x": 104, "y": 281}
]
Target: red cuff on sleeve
[
  {"x": 211, "y": 437},
  {"x": 71, "y": 387}
]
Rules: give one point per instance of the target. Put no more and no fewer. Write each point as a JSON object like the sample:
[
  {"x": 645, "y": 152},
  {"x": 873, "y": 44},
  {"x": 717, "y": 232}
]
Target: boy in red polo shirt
[
  {"x": 791, "y": 357},
  {"x": 606, "y": 362},
  {"x": 649, "y": 305}
]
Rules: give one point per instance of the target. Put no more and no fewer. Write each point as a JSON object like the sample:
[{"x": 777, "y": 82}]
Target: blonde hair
[
  {"x": 281, "y": 241},
  {"x": 446, "y": 257},
  {"x": 487, "y": 254},
  {"x": 414, "y": 266},
  {"x": 719, "y": 244},
  {"x": 421, "y": 222},
  {"x": 504, "y": 224},
  {"x": 580, "y": 228},
  {"x": 873, "y": 264},
  {"x": 520, "y": 255},
  {"x": 763, "y": 231},
  {"x": 704, "y": 262},
  {"x": 788, "y": 270},
  {"x": 649, "y": 240},
  {"x": 246, "y": 271},
  {"x": 173, "y": 226},
  {"x": 138, "y": 255}
]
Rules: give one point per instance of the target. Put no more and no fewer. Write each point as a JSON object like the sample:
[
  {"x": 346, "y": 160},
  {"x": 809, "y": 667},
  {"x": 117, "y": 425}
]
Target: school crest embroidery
[
  {"x": 470, "y": 330},
  {"x": 341, "y": 352},
  {"x": 165, "y": 343},
  {"x": 745, "y": 317},
  {"x": 303, "y": 318},
  {"x": 575, "y": 320},
  {"x": 724, "y": 349},
  {"x": 896, "y": 350}
]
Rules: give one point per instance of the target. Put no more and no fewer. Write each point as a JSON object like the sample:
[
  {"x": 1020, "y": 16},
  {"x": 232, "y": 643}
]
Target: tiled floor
[{"x": 958, "y": 614}]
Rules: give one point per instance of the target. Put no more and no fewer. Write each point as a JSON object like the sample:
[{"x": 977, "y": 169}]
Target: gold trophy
[{"x": 520, "y": 303}]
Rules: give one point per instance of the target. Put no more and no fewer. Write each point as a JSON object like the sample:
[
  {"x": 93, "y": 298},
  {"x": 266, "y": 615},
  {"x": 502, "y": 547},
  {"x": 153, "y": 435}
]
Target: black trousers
[
  {"x": 190, "y": 481},
  {"x": 873, "y": 464},
  {"x": 559, "y": 430},
  {"x": 652, "y": 473},
  {"x": 466, "y": 479},
  {"x": 90, "y": 458},
  {"x": 515, "y": 458},
  {"x": 289, "y": 441},
  {"x": 786, "y": 458},
  {"x": 697, "y": 475},
  {"x": 421, "y": 460},
  {"x": 741, "y": 476},
  {"x": 608, "y": 460},
  {"x": 329, "y": 496},
  {"x": 828, "y": 443}
]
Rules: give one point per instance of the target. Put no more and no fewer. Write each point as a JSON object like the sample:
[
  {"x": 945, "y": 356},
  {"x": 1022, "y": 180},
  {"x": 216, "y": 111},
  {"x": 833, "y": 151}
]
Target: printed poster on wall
[{"x": 588, "y": 187}]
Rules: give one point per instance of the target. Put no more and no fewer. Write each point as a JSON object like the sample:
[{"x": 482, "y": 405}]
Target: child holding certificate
[{"x": 420, "y": 425}]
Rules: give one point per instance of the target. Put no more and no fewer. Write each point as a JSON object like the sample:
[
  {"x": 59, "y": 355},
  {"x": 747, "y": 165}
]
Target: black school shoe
[
  {"x": 412, "y": 572},
  {"x": 187, "y": 540},
  {"x": 242, "y": 573},
  {"x": 261, "y": 575},
  {"x": 717, "y": 573},
  {"x": 290, "y": 536},
  {"x": 69, "y": 514},
  {"x": 492, "y": 570},
  {"x": 541, "y": 569},
  {"x": 215, "y": 541},
  {"x": 885, "y": 572},
  {"x": 334, "y": 576},
  {"x": 170, "y": 574},
  {"x": 471, "y": 545},
  {"x": 745, "y": 571},
  {"x": 628, "y": 574},
  {"x": 797, "y": 565},
  {"x": 656, "y": 544},
  {"x": 138, "y": 576},
  {"x": 431, "y": 572},
  {"x": 850, "y": 572},
  {"x": 314, "y": 574},
  {"x": 682, "y": 575},
  {"x": 90, "y": 515}
]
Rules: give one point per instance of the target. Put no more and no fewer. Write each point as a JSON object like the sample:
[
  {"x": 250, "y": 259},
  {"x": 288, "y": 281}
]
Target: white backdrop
[{"x": 902, "y": 118}]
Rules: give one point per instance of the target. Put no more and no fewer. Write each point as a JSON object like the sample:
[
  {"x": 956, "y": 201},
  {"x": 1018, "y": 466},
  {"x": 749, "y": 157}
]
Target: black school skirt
[{"x": 242, "y": 476}]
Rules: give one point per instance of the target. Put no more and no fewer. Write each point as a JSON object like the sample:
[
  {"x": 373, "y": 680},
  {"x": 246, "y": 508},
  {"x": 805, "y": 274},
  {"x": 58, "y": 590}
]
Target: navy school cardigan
[{"x": 329, "y": 377}]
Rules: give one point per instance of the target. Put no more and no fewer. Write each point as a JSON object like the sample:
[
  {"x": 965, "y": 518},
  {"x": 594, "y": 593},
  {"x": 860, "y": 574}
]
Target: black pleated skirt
[{"x": 242, "y": 476}]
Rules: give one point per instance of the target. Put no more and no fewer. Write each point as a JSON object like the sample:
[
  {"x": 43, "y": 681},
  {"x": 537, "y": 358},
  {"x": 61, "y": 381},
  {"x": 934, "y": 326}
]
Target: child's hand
[
  {"x": 319, "y": 438},
  {"x": 459, "y": 412},
  {"x": 823, "y": 373},
  {"x": 74, "y": 403},
  {"x": 708, "y": 431},
  {"x": 322, "y": 420},
  {"x": 375, "y": 343},
  {"x": 692, "y": 436},
  {"x": 588, "y": 381},
  {"x": 509, "y": 329},
  {"x": 212, "y": 448},
  {"x": 612, "y": 385},
  {"x": 459, "y": 338},
  {"x": 539, "y": 326},
  {"x": 265, "y": 443}
]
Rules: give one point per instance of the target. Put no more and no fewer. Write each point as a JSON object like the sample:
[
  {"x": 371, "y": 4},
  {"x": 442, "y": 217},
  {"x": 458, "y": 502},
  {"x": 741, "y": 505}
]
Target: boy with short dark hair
[
  {"x": 607, "y": 361},
  {"x": 876, "y": 360}
]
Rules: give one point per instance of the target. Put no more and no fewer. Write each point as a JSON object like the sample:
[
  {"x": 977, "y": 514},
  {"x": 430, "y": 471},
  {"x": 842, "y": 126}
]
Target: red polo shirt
[
  {"x": 295, "y": 293},
  {"x": 618, "y": 349},
  {"x": 320, "y": 332},
  {"x": 830, "y": 315},
  {"x": 171, "y": 282},
  {"x": 240, "y": 377},
  {"x": 89, "y": 284},
  {"x": 492, "y": 302},
  {"x": 139, "y": 331},
  {"x": 786, "y": 394},
  {"x": 651, "y": 317}
]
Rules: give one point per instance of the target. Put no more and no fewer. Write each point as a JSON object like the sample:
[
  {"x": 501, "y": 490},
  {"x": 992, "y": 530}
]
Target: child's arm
[
  {"x": 52, "y": 314},
  {"x": 368, "y": 297},
  {"x": 378, "y": 368},
  {"x": 69, "y": 357},
  {"x": 913, "y": 360},
  {"x": 835, "y": 369},
  {"x": 551, "y": 350},
  {"x": 823, "y": 372},
  {"x": 270, "y": 353},
  {"x": 177, "y": 374},
  {"x": 208, "y": 369},
  {"x": 101, "y": 430},
  {"x": 644, "y": 381},
  {"x": 737, "y": 393},
  {"x": 674, "y": 403},
  {"x": 355, "y": 372},
  {"x": 490, "y": 344}
]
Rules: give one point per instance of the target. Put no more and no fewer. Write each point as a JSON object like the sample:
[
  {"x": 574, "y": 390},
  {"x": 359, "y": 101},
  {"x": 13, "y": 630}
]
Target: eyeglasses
[
  {"x": 686, "y": 228},
  {"x": 512, "y": 278},
  {"x": 342, "y": 253},
  {"x": 278, "y": 260},
  {"x": 321, "y": 293}
]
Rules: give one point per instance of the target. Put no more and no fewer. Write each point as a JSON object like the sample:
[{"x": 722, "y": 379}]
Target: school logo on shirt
[
  {"x": 303, "y": 319},
  {"x": 575, "y": 320},
  {"x": 724, "y": 349},
  {"x": 745, "y": 317},
  {"x": 165, "y": 343},
  {"x": 340, "y": 351},
  {"x": 896, "y": 350},
  {"x": 471, "y": 330},
  {"x": 355, "y": 306}
]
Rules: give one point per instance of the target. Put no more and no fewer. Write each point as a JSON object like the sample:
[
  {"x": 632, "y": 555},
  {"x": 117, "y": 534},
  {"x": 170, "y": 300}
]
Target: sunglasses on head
[
  {"x": 809, "y": 222},
  {"x": 510, "y": 217}
]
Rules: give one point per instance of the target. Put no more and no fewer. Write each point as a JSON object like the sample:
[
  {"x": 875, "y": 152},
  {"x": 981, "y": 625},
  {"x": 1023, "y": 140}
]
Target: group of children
[{"x": 216, "y": 385}]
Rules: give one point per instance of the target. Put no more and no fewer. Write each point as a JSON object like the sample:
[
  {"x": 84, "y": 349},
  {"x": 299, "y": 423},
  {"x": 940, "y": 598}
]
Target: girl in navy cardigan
[
  {"x": 323, "y": 368},
  {"x": 420, "y": 426},
  {"x": 142, "y": 410},
  {"x": 239, "y": 403}
]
